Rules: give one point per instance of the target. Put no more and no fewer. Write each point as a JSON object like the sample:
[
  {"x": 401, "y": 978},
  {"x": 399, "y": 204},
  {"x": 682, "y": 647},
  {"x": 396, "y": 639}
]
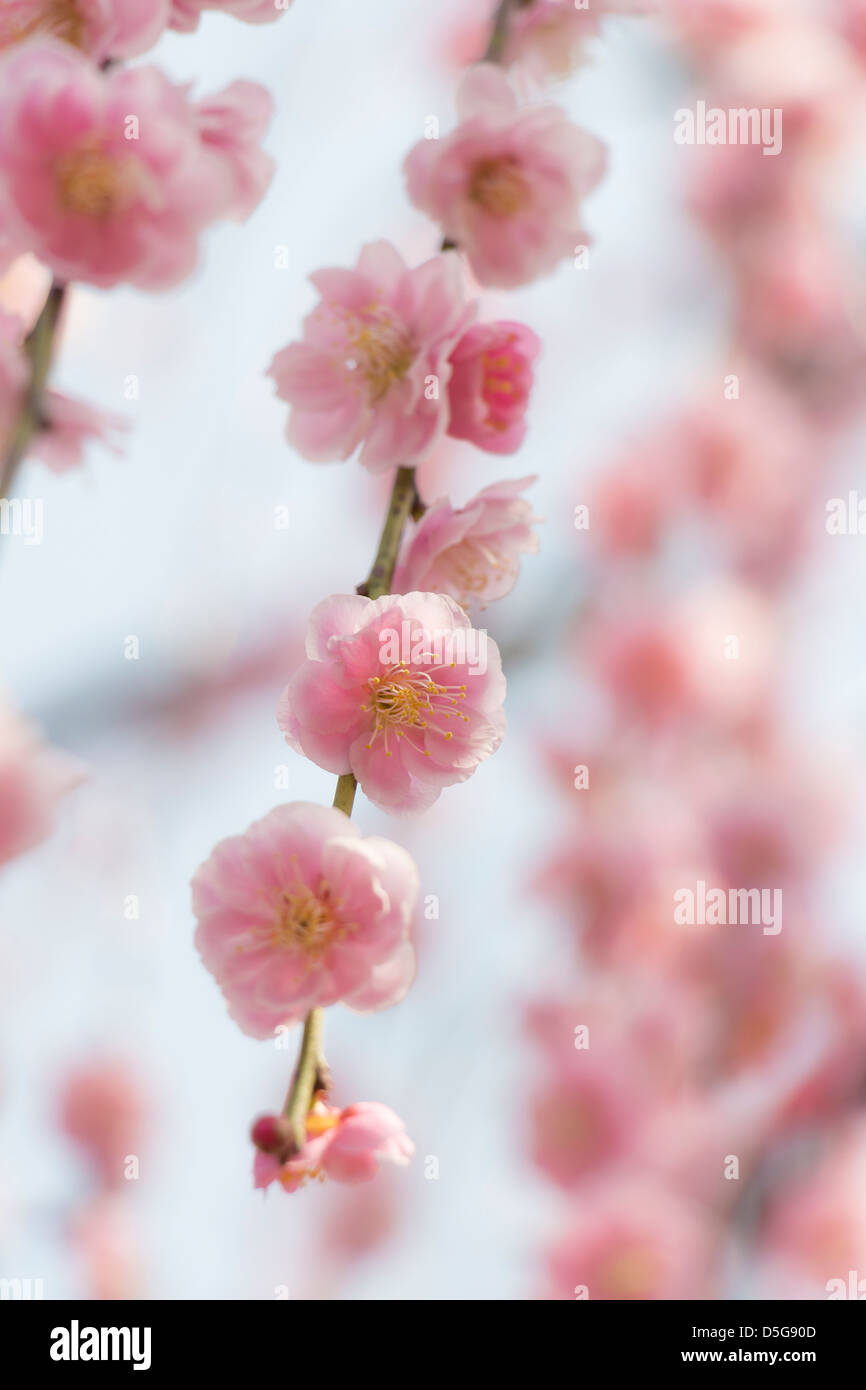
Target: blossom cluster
[
  {"x": 700, "y": 1101},
  {"x": 111, "y": 175}
]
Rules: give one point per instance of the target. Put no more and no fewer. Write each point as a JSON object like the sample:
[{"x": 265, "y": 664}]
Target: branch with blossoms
[
  {"x": 301, "y": 911},
  {"x": 108, "y": 176}
]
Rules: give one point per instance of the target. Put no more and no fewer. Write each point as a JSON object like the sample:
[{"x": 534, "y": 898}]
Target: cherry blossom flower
[
  {"x": 507, "y": 185},
  {"x": 631, "y": 1238},
  {"x": 549, "y": 37},
  {"x": 300, "y": 912},
  {"x": 33, "y": 778},
  {"x": 102, "y": 1109},
  {"x": 111, "y": 177},
  {"x": 583, "y": 1120},
  {"x": 373, "y": 365},
  {"x": 490, "y": 384},
  {"x": 346, "y": 1145},
  {"x": 817, "y": 1222},
  {"x": 401, "y": 690},
  {"x": 70, "y": 425},
  {"x": 100, "y": 28},
  {"x": 472, "y": 553},
  {"x": 185, "y": 14},
  {"x": 233, "y": 124}
]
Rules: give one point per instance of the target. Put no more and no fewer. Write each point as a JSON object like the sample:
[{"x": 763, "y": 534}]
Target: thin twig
[{"x": 39, "y": 350}]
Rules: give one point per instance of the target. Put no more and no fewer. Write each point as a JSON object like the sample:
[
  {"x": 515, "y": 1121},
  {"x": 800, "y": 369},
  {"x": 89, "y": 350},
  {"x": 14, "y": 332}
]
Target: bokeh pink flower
[
  {"x": 33, "y": 780},
  {"x": 185, "y": 14},
  {"x": 112, "y": 177},
  {"x": 507, "y": 185},
  {"x": 103, "y": 29}
]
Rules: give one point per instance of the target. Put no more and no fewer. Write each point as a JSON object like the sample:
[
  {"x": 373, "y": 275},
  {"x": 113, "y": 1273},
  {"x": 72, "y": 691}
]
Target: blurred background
[{"x": 707, "y": 519}]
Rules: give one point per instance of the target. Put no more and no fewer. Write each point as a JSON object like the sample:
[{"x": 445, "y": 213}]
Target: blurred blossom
[
  {"x": 102, "y": 1109},
  {"x": 33, "y": 779},
  {"x": 631, "y": 1238},
  {"x": 507, "y": 184}
]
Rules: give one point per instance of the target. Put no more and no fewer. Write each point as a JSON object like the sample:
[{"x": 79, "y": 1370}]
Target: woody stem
[{"x": 38, "y": 349}]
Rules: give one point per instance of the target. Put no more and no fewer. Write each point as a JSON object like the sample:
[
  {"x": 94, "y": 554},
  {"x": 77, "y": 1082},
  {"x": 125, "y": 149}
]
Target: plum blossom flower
[
  {"x": 401, "y": 691},
  {"x": 347, "y": 1145},
  {"x": 233, "y": 124},
  {"x": 100, "y": 28},
  {"x": 300, "y": 912},
  {"x": 472, "y": 553},
  {"x": 106, "y": 196},
  {"x": 507, "y": 184},
  {"x": 549, "y": 37},
  {"x": 102, "y": 1109},
  {"x": 33, "y": 778},
  {"x": 185, "y": 14},
  {"x": 69, "y": 426},
  {"x": 491, "y": 380},
  {"x": 631, "y": 1238},
  {"x": 373, "y": 363}
]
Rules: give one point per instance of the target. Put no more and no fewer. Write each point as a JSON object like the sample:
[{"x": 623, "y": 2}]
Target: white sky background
[{"x": 175, "y": 543}]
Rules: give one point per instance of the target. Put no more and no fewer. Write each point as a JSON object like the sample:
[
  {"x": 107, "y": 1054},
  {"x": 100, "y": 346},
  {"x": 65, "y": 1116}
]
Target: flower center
[
  {"x": 498, "y": 186},
  {"x": 380, "y": 351},
  {"x": 631, "y": 1273},
  {"x": 320, "y": 1120},
  {"x": 305, "y": 919},
  {"x": 404, "y": 700},
  {"x": 62, "y": 18},
  {"x": 469, "y": 566},
  {"x": 92, "y": 183}
]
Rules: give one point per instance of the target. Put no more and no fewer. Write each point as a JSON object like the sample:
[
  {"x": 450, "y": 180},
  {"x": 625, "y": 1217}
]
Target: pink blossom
[
  {"x": 346, "y": 1145},
  {"x": 631, "y": 1238},
  {"x": 491, "y": 380},
  {"x": 185, "y": 14},
  {"x": 401, "y": 691},
  {"x": 583, "y": 1120},
  {"x": 69, "y": 426},
  {"x": 100, "y": 28},
  {"x": 817, "y": 1222},
  {"x": 506, "y": 186},
  {"x": 300, "y": 912},
  {"x": 549, "y": 37},
  {"x": 472, "y": 553},
  {"x": 33, "y": 778},
  {"x": 381, "y": 334},
  {"x": 111, "y": 177},
  {"x": 233, "y": 124},
  {"x": 644, "y": 661},
  {"x": 102, "y": 1110},
  {"x": 104, "y": 1239}
]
